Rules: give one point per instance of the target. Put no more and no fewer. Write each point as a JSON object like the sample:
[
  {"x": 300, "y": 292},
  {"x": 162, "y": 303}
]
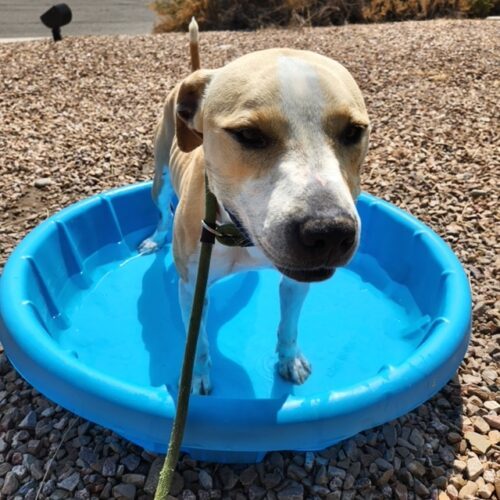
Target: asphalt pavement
[{"x": 20, "y": 19}]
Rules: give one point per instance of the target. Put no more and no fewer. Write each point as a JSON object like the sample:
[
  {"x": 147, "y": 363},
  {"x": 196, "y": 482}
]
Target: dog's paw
[
  {"x": 296, "y": 369},
  {"x": 201, "y": 385},
  {"x": 149, "y": 245}
]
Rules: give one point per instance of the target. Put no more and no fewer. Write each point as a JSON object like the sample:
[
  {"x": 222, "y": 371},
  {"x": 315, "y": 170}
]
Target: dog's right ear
[{"x": 189, "y": 110}]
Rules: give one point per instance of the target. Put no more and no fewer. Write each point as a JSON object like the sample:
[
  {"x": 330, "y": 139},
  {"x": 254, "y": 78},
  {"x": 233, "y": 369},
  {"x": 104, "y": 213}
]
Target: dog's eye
[
  {"x": 251, "y": 138},
  {"x": 351, "y": 134}
]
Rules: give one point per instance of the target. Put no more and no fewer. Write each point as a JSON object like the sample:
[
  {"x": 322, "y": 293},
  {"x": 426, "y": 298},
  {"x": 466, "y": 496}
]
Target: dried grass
[{"x": 174, "y": 15}]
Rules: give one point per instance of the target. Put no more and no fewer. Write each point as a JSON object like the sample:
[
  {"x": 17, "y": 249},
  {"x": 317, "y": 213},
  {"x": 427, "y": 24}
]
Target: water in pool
[{"x": 126, "y": 323}]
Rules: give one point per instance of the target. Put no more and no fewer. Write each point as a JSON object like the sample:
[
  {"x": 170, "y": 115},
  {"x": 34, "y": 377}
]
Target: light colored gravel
[{"x": 77, "y": 118}]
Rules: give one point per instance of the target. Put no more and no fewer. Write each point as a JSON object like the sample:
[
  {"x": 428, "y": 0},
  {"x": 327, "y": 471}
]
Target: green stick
[{"x": 167, "y": 472}]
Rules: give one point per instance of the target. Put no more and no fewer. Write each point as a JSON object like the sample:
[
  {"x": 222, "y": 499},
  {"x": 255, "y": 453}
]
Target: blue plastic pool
[{"x": 97, "y": 328}]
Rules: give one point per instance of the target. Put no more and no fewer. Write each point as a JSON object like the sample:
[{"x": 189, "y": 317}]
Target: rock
[
  {"x": 320, "y": 491},
  {"x": 29, "y": 421},
  {"x": 336, "y": 472},
  {"x": 321, "y": 476},
  {"x": 36, "y": 471},
  {"x": 26, "y": 488},
  {"x": 486, "y": 490},
  {"x": 348, "y": 494},
  {"x": 383, "y": 464},
  {"x": 480, "y": 425},
  {"x": 153, "y": 475},
  {"x": 124, "y": 491},
  {"x": 335, "y": 495},
  {"x": 275, "y": 459},
  {"x": 469, "y": 378},
  {"x": 390, "y": 435},
  {"x": 416, "y": 468},
  {"x": 294, "y": 491},
  {"x": 42, "y": 428},
  {"x": 404, "y": 443},
  {"x": 400, "y": 491},
  {"x": 497, "y": 487},
  {"x": 34, "y": 446},
  {"x": 493, "y": 421},
  {"x": 439, "y": 426},
  {"x": 205, "y": 480},
  {"x": 20, "y": 471},
  {"x": 454, "y": 437},
  {"x": 420, "y": 489},
  {"x": 177, "y": 484},
  {"x": 61, "y": 495},
  {"x": 88, "y": 456},
  {"x": 309, "y": 461},
  {"x": 491, "y": 405},
  {"x": 248, "y": 476},
  {"x": 109, "y": 467},
  {"x": 82, "y": 494},
  {"x": 447, "y": 454},
  {"x": 458, "y": 481},
  {"x": 349, "y": 482},
  {"x": 474, "y": 468},
  {"x": 478, "y": 442},
  {"x": 351, "y": 449},
  {"x": 440, "y": 482},
  {"x": 49, "y": 487},
  {"x": 43, "y": 182},
  {"x": 4, "y": 468},
  {"x": 271, "y": 480},
  {"x": 468, "y": 491},
  {"x": 459, "y": 465},
  {"x": 228, "y": 477},
  {"x": 10, "y": 485},
  {"x": 494, "y": 437},
  {"x": 385, "y": 477},
  {"x": 488, "y": 475},
  {"x": 296, "y": 472},
  {"x": 131, "y": 462},
  {"x": 137, "y": 480},
  {"x": 70, "y": 483},
  {"x": 355, "y": 469},
  {"x": 256, "y": 492},
  {"x": 417, "y": 439},
  {"x": 452, "y": 492}
]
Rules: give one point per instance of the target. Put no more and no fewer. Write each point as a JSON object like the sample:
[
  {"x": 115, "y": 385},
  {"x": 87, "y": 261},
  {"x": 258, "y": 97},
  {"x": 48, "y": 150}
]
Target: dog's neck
[{"x": 227, "y": 217}]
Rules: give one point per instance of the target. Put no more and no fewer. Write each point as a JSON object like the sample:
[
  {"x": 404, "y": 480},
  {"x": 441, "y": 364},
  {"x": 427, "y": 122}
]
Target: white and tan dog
[{"x": 281, "y": 135}]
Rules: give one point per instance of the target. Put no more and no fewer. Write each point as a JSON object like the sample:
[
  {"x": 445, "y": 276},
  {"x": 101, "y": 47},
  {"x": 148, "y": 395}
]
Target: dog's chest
[{"x": 229, "y": 260}]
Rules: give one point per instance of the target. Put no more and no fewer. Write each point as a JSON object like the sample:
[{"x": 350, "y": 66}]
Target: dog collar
[{"x": 231, "y": 235}]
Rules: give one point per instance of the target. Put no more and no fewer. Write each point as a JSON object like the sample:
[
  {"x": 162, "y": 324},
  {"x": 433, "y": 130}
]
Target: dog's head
[{"x": 284, "y": 134}]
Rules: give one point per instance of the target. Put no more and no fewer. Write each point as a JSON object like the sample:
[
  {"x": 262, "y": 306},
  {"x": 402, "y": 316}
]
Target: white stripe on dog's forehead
[{"x": 301, "y": 94}]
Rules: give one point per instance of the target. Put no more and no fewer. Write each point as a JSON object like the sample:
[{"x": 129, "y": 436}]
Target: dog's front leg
[
  {"x": 201, "y": 372},
  {"x": 292, "y": 365},
  {"x": 162, "y": 196}
]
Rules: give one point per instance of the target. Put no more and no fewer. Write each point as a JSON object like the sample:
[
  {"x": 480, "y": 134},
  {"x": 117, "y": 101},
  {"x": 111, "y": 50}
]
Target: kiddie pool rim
[{"x": 121, "y": 406}]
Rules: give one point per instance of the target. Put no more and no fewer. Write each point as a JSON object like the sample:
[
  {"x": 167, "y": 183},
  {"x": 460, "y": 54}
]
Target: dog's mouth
[
  {"x": 307, "y": 275},
  {"x": 303, "y": 275}
]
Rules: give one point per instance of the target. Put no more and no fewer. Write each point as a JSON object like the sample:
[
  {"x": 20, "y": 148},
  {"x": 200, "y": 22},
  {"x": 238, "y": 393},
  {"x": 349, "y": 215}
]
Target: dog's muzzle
[{"x": 316, "y": 246}]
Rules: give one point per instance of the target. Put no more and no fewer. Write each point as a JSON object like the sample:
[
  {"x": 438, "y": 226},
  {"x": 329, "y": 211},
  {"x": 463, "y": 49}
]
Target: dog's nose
[{"x": 329, "y": 238}]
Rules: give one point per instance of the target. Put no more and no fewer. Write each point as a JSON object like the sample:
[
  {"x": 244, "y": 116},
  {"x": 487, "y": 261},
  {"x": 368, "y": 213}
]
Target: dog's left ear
[{"x": 189, "y": 112}]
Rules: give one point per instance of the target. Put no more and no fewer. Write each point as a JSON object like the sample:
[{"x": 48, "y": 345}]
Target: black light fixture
[{"x": 57, "y": 16}]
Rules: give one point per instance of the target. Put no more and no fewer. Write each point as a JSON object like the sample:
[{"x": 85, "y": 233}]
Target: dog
[{"x": 281, "y": 135}]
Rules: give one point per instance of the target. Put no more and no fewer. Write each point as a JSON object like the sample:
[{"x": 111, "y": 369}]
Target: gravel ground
[{"x": 77, "y": 118}]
